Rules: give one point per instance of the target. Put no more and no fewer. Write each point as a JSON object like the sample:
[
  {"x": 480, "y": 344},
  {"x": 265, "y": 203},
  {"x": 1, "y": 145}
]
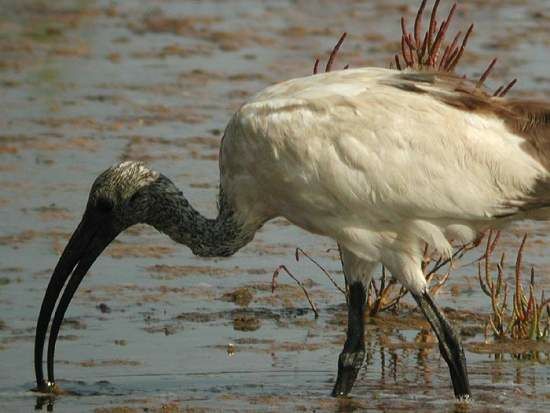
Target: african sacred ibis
[{"x": 382, "y": 161}]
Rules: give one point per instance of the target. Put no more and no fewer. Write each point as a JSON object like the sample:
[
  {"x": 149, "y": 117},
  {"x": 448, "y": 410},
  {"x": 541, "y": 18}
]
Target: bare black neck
[{"x": 171, "y": 213}]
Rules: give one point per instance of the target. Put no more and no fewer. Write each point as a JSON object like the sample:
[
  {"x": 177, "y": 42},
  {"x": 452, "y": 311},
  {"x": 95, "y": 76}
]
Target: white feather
[{"x": 378, "y": 169}]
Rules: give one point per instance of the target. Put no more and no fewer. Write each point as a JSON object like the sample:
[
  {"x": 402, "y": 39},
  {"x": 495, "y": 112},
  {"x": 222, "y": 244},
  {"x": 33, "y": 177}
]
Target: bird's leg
[
  {"x": 449, "y": 345},
  {"x": 351, "y": 358}
]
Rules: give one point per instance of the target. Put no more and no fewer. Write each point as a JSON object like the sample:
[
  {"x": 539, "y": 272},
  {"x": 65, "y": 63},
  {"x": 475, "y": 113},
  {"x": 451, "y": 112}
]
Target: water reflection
[
  {"x": 44, "y": 401},
  {"x": 84, "y": 83},
  {"x": 403, "y": 371}
]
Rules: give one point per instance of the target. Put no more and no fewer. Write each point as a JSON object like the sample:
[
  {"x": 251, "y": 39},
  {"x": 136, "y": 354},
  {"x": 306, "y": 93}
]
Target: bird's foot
[
  {"x": 464, "y": 399},
  {"x": 49, "y": 388},
  {"x": 44, "y": 387},
  {"x": 349, "y": 365}
]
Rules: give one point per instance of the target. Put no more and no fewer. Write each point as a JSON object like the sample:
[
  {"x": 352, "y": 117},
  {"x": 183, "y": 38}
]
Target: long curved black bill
[{"x": 90, "y": 238}]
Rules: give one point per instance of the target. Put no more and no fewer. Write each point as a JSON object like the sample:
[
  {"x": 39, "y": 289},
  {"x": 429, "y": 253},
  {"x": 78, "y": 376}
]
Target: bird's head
[
  {"x": 126, "y": 194},
  {"x": 120, "y": 197}
]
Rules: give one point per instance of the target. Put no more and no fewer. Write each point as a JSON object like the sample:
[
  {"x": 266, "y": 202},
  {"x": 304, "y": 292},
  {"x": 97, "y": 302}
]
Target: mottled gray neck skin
[
  {"x": 130, "y": 193},
  {"x": 170, "y": 212}
]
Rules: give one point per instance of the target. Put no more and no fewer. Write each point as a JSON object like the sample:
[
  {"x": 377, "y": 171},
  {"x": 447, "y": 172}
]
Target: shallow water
[{"x": 84, "y": 84}]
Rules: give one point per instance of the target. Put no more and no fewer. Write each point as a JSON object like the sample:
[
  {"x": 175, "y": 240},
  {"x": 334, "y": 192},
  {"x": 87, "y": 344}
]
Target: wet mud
[{"x": 85, "y": 84}]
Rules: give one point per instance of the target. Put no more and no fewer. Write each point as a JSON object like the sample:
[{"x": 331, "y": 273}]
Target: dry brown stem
[{"x": 300, "y": 284}]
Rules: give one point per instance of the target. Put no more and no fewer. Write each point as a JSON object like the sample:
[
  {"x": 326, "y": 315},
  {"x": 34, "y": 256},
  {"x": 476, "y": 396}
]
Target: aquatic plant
[
  {"x": 298, "y": 282},
  {"x": 387, "y": 295},
  {"x": 528, "y": 317},
  {"x": 423, "y": 52}
]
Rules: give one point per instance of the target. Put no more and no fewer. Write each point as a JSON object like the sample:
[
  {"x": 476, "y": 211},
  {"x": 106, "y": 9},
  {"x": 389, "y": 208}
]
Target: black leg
[
  {"x": 352, "y": 356},
  {"x": 449, "y": 345}
]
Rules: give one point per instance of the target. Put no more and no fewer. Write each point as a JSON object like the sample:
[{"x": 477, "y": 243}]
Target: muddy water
[{"x": 84, "y": 84}]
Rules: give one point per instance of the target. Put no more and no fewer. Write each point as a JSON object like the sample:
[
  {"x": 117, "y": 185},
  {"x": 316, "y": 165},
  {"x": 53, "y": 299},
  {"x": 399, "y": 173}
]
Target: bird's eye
[
  {"x": 134, "y": 197},
  {"x": 105, "y": 205}
]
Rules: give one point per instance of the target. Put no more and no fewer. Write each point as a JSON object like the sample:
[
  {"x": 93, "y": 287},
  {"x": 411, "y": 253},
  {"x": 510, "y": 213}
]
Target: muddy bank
[{"x": 88, "y": 83}]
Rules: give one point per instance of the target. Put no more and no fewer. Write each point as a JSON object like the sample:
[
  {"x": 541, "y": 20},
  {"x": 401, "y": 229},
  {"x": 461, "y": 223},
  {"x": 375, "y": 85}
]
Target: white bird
[{"x": 382, "y": 161}]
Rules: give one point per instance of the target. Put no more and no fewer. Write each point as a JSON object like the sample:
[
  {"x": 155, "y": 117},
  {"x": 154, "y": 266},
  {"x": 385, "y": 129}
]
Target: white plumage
[
  {"x": 381, "y": 170},
  {"x": 382, "y": 161}
]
